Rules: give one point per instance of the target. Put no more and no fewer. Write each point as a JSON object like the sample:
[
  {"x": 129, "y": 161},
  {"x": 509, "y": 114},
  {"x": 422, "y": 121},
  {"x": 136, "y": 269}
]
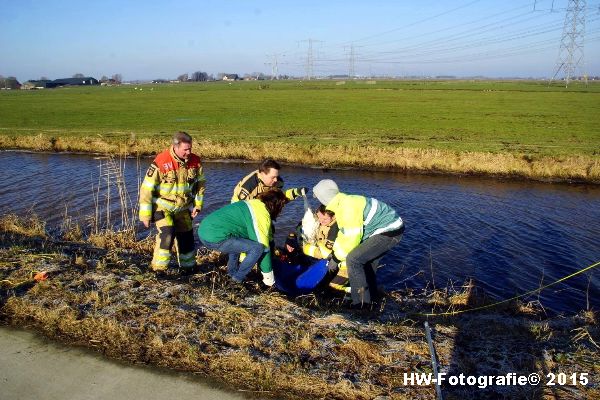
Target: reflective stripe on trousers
[{"x": 170, "y": 227}]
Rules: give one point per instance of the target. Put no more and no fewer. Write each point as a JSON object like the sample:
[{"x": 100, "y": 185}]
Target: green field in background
[{"x": 497, "y": 116}]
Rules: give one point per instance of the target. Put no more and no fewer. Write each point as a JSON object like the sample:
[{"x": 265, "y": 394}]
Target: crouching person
[
  {"x": 368, "y": 229},
  {"x": 245, "y": 227},
  {"x": 320, "y": 248}
]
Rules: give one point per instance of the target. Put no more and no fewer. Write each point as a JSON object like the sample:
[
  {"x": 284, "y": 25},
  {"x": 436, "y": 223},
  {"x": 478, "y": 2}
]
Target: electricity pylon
[{"x": 570, "y": 55}]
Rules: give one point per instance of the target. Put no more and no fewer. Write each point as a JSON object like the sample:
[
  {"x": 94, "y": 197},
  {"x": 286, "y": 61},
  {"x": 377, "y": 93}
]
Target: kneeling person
[
  {"x": 323, "y": 245},
  {"x": 245, "y": 227}
]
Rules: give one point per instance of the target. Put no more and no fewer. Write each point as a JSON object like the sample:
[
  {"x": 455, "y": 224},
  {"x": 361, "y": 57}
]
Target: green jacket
[{"x": 244, "y": 219}]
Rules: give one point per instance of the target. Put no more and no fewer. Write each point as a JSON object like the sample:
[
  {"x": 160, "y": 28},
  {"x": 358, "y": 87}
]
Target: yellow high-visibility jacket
[
  {"x": 348, "y": 211},
  {"x": 324, "y": 241},
  {"x": 251, "y": 186},
  {"x": 171, "y": 184},
  {"x": 358, "y": 219}
]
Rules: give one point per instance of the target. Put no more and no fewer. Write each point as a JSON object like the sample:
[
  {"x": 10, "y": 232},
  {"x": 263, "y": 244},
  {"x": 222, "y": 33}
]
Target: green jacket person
[{"x": 245, "y": 227}]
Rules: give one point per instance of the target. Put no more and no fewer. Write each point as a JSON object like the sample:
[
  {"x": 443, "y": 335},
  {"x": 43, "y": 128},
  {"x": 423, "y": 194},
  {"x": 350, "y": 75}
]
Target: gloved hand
[
  {"x": 333, "y": 263},
  {"x": 268, "y": 278},
  {"x": 299, "y": 191},
  {"x": 291, "y": 242}
]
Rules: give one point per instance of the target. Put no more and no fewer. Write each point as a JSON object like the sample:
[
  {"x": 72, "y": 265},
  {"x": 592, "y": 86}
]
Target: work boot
[
  {"x": 189, "y": 270},
  {"x": 368, "y": 311},
  {"x": 236, "y": 287},
  {"x": 160, "y": 273}
]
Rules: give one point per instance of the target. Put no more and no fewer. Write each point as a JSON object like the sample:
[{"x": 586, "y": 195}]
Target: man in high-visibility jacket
[
  {"x": 368, "y": 229},
  {"x": 173, "y": 184},
  {"x": 265, "y": 178}
]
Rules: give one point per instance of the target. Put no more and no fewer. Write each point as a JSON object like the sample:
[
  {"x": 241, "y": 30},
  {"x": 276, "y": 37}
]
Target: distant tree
[
  {"x": 78, "y": 75},
  {"x": 44, "y": 78},
  {"x": 118, "y": 78},
  {"x": 258, "y": 75},
  {"x": 9, "y": 83},
  {"x": 183, "y": 78},
  {"x": 199, "y": 76},
  {"x": 220, "y": 76},
  {"x": 104, "y": 79}
]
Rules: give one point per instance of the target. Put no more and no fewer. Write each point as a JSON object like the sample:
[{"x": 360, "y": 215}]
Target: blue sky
[{"x": 159, "y": 39}]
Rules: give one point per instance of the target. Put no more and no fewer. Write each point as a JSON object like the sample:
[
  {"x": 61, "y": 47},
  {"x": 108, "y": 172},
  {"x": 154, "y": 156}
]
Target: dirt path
[{"x": 32, "y": 367}]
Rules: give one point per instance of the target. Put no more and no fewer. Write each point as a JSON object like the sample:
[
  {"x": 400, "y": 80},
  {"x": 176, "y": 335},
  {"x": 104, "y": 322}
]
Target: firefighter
[
  {"x": 173, "y": 184},
  {"x": 266, "y": 177},
  {"x": 368, "y": 229},
  {"x": 323, "y": 245}
]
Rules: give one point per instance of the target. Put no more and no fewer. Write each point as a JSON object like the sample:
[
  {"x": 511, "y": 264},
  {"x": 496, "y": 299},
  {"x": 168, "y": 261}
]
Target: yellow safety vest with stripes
[
  {"x": 348, "y": 211},
  {"x": 326, "y": 236},
  {"x": 251, "y": 186},
  {"x": 324, "y": 241},
  {"x": 172, "y": 184}
]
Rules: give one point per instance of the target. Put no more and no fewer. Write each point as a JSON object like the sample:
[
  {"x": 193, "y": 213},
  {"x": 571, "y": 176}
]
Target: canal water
[{"x": 510, "y": 237}]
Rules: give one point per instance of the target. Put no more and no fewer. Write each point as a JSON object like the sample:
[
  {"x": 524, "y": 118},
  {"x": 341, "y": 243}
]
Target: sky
[{"x": 164, "y": 39}]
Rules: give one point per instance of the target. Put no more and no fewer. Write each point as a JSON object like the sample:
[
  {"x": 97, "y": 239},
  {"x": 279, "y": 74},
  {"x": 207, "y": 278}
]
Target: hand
[
  {"x": 332, "y": 266},
  {"x": 268, "y": 278},
  {"x": 333, "y": 263},
  {"x": 195, "y": 212},
  {"x": 146, "y": 224},
  {"x": 299, "y": 191}
]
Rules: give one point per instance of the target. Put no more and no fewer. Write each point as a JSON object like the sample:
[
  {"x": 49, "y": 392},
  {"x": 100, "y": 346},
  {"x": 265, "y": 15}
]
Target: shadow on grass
[{"x": 492, "y": 352}]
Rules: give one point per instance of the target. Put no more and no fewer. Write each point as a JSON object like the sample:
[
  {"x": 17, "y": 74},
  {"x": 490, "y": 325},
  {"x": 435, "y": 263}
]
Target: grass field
[{"x": 435, "y": 123}]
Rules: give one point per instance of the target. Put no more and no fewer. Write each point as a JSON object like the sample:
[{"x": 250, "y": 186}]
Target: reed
[{"x": 545, "y": 168}]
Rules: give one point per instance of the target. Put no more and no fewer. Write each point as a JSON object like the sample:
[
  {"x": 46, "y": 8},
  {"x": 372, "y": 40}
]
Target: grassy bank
[
  {"x": 524, "y": 129},
  {"x": 100, "y": 295}
]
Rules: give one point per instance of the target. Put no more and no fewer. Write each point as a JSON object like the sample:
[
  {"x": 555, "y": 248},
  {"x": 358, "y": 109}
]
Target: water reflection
[{"x": 510, "y": 236}]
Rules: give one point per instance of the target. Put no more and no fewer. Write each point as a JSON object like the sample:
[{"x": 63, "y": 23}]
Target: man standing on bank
[
  {"x": 173, "y": 184},
  {"x": 368, "y": 229},
  {"x": 261, "y": 180}
]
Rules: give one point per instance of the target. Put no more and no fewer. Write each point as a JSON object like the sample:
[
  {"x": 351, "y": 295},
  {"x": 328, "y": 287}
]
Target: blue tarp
[{"x": 297, "y": 279}]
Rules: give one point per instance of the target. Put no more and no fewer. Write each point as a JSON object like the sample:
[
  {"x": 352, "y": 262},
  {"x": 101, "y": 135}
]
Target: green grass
[{"x": 517, "y": 117}]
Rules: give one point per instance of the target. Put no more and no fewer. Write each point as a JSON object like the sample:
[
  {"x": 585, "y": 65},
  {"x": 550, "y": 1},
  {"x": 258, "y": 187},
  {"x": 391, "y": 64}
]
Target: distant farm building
[
  {"x": 47, "y": 84},
  {"x": 75, "y": 81},
  {"x": 42, "y": 84},
  {"x": 231, "y": 77}
]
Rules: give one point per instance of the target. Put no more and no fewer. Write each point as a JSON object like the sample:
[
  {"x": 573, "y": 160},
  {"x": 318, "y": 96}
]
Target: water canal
[{"x": 509, "y": 236}]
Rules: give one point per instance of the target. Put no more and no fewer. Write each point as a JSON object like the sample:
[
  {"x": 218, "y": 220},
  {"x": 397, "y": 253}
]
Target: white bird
[{"x": 310, "y": 224}]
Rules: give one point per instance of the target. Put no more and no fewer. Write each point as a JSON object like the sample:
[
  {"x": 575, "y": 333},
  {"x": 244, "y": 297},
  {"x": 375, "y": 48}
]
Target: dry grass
[
  {"x": 29, "y": 226},
  {"x": 108, "y": 239},
  {"x": 564, "y": 168},
  {"x": 265, "y": 343}
]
